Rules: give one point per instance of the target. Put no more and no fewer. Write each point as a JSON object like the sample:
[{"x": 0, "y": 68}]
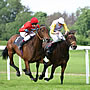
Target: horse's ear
[
  {"x": 72, "y": 32},
  {"x": 65, "y": 35}
]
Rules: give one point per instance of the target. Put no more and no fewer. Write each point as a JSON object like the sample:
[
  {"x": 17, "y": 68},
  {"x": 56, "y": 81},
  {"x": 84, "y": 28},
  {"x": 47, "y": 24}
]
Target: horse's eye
[{"x": 42, "y": 30}]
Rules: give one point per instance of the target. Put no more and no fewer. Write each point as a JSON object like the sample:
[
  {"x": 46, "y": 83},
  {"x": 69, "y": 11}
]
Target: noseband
[
  {"x": 73, "y": 42},
  {"x": 43, "y": 39}
]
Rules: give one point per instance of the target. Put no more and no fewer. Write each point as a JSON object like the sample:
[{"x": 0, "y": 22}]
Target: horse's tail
[{"x": 5, "y": 53}]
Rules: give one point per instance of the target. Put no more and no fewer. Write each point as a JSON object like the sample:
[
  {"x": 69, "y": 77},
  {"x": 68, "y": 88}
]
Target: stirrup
[
  {"x": 19, "y": 47},
  {"x": 48, "y": 52}
]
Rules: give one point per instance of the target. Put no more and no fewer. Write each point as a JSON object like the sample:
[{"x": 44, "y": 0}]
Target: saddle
[
  {"x": 17, "y": 40},
  {"x": 51, "y": 46},
  {"x": 20, "y": 38}
]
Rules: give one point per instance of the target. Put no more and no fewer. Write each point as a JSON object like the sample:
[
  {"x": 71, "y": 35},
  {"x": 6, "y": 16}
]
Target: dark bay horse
[
  {"x": 32, "y": 51},
  {"x": 60, "y": 55}
]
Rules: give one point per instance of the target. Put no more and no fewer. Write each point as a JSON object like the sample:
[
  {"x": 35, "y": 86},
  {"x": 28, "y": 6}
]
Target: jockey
[
  {"x": 28, "y": 30},
  {"x": 55, "y": 30}
]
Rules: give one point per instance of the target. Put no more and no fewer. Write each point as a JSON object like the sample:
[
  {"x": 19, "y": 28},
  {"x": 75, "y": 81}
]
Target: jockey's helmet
[
  {"x": 34, "y": 20},
  {"x": 61, "y": 20}
]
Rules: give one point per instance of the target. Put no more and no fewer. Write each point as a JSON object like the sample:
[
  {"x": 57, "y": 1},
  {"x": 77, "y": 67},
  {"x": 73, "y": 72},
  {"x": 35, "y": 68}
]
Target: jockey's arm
[
  {"x": 35, "y": 29},
  {"x": 52, "y": 29},
  {"x": 21, "y": 30},
  {"x": 27, "y": 26},
  {"x": 65, "y": 27},
  {"x": 38, "y": 26}
]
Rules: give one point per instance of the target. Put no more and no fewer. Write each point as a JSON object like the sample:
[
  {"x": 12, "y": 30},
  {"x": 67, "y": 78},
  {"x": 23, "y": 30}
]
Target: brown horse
[
  {"x": 32, "y": 51},
  {"x": 60, "y": 55}
]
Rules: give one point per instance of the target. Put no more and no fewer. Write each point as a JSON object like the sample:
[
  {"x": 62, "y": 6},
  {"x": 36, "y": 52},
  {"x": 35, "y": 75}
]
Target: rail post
[
  {"x": 87, "y": 66},
  {"x": 8, "y": 69}
]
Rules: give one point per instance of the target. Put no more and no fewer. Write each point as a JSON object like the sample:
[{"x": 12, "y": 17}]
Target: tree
[
  {"x": 82, "y": 25},
  {"x": 11, "y": 9},
  {"x": 8, "y": 11},
  {"x": 83, "y": 22},
  {"x": 13, "y": 27},
  {"x": 41, "y": 17}
]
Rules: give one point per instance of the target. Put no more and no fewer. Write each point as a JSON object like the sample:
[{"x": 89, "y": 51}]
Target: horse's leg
[
  {"x": 62, "y": 72},
  {"x": 37, "y": 66},
  {"x": 52, "y": 72},
  {"x": 12, "y": 63},
  {"x": 27, "y": 71},
  {"x": 46, "y": 65}
]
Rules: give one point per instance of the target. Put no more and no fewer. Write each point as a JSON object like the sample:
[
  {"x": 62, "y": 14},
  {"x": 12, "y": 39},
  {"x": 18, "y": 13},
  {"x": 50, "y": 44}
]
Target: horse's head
[
  {"x": 71, "y": 39},
  {"x": 43, "y": 34}
]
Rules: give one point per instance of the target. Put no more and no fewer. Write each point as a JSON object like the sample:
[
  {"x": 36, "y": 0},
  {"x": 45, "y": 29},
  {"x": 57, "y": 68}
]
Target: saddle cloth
[
  {"x": 51, "y": 45},
  {"x": 17, "y": 40},
  {"x": 20, "y": 38}
]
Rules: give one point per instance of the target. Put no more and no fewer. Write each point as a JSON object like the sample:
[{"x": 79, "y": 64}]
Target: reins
[
  {"x": 39, "y": 37},
  {"x": 70, "y": 43}
]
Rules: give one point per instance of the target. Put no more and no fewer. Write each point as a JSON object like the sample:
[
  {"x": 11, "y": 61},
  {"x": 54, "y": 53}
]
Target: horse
[
  {"x": 32, "y": 51},
  {"x": 60, "y": 55}
]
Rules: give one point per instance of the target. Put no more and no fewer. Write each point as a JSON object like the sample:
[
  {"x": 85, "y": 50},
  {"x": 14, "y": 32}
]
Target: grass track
[
  {"x": 75, "y": 65},
  {"x": 24, "y": 83}
]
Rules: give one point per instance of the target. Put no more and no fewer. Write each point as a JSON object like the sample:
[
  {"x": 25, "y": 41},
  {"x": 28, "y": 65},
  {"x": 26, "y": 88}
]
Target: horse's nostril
[{"x": 74, "y": 47}]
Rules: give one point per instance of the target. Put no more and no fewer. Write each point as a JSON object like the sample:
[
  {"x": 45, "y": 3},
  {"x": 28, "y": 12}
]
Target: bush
[
  {"x": 81, "y": 40},
  {"x": 3, "y": 42}
]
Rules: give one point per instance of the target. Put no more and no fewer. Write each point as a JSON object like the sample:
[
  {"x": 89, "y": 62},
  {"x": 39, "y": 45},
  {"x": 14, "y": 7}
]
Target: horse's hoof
[
  {"x": 47, "y": 79},
  {"x": 34, "y": 79},
  {"x": 27, "y": 73},
  {"x": 18, "y": 74},
  {"x": 61, "y": 83},
  {"x": 24, "y": 70},
  {"x": 40, "y": 77}
]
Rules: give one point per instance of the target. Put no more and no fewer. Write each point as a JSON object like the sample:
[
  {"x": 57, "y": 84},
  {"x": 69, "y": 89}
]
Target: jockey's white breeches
[
  {"x": 27, "y": 36},
  {"x": 57, "y": 37}
]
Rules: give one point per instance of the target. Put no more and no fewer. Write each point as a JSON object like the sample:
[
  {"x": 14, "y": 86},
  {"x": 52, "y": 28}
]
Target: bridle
[
  {"x": 73, "y": 44},
  {"x": 39, "y": 37},
  {"x": 43, "y": 39}
]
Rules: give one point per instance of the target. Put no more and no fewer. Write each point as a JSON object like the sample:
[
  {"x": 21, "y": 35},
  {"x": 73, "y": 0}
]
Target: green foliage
[
  {"x": 2, "y": 30},
  {"x": 9, "y": 10},
  {"x": 82, "y": 25},
  {"x": 3, "y": 42},
  {"x": 81, "y": 40},
  {"x": 83, "y": 22},
  {"x": 41, "y": 17},
  {"x": 13, "y": 15},
  {"x": 13, "y": 27},
  {"x": 9, "y": 24}
]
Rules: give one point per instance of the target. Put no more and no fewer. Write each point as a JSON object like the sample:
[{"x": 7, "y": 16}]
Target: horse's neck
[
  {"x": 37, "y": 43},
  {"x": 68, "y": 43}
]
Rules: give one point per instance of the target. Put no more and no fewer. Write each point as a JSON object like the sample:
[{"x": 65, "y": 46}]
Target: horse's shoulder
[
  {"x": 14, "y": 36},
  {"x": 12, "y": 39}
]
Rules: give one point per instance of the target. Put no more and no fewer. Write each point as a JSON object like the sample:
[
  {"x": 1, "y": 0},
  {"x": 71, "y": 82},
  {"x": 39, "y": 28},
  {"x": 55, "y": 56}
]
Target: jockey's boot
[
  {"x": 49, "y": 49},
  {"x": 21, "y": 44}
]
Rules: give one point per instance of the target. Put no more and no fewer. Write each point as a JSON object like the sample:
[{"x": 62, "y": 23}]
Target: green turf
[
  {"x": 25, "y": 83},
  {"x": 3, "y": 42},
  {"x": 76, "y": 65}
]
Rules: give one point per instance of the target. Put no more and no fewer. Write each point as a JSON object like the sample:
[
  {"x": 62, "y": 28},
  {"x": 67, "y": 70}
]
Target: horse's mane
[
  {"x": 42, "y": 25},
  {"x": 33, "y": 38},
  {"x": 72, "y": 31}
]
